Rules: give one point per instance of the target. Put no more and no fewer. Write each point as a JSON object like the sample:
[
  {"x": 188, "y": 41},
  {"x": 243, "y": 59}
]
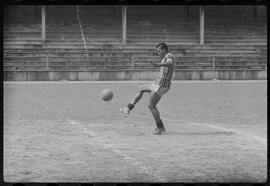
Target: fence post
[
  {"x": 132, "y": 64},
  {"x": 124, "y": 24},
  {"x": 201, "y": 25},
  {"x": 47, "y": 60},
  {"x": 214, "y": 61},
  {"x": 43, "y": 24}
]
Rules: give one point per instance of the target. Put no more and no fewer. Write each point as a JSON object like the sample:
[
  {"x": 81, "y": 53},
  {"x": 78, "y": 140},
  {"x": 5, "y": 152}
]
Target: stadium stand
[{"x": 89, "y": 39}]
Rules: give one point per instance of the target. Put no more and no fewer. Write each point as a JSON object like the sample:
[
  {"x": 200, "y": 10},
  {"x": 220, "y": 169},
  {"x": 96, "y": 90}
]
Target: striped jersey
[{"x": 166, "y": 73}]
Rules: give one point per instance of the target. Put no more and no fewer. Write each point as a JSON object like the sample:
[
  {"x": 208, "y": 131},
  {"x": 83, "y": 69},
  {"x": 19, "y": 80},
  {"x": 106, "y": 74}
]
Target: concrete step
[
  {"x": 142, "y": 44},
  {"x": 11, "y": 40},
  {"x": 67, "y": 59},
  {"x": 148, "y": 59},
  {"x": 188, "y": 34},
  {"x": 147, "y": 55},
  {"x": 36, "y": 28},
  {"x": 119, "y": 52},
  {"x": 24, "y": 35},
  {"x": 205, "y": 66},
  {"x": 67, "y": 68},
  {"x": 217, "y": 62},
  {"x": 66, "y": 63},
  {"x": 25, "y": 42},
  {"x": 21, "y": 65},
  {"x": 121, "y": 68},
  {"x": 153, "y": 44},
  {"x": 236, "y": 38},
  {"x": 241, "y": 42},
  {"x": 164, "y": 37},
  {"x": 70, "y": 32},
  {"x": 139, "y": 54}
]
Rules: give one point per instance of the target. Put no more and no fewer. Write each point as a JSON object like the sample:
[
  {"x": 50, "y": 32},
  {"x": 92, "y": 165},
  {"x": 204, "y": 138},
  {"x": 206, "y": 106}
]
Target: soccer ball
[{"x": 106, "y": 94}]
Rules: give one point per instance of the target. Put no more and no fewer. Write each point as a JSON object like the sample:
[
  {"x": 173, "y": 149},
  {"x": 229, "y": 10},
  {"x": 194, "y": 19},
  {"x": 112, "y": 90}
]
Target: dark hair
[{"x": 162, "y": 46}]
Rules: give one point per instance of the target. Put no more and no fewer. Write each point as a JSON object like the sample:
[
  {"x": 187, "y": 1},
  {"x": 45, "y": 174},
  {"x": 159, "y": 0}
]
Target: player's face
[{"x": 161, "y": 52}]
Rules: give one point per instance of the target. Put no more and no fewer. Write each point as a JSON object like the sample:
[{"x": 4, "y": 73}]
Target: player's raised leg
[{"x": 137, "y": 97}]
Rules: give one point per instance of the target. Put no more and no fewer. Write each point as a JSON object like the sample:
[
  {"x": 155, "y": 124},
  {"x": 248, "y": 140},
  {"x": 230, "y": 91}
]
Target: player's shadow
[{"x": 201, "y": 133}]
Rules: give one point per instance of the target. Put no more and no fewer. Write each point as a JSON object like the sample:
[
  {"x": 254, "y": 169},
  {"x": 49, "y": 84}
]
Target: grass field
[{"x": 63, "y": 132}]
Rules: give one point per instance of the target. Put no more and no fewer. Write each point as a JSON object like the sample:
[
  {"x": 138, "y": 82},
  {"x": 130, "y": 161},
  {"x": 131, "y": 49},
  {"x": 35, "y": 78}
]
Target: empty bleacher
[{"x": 95, "y": 45}]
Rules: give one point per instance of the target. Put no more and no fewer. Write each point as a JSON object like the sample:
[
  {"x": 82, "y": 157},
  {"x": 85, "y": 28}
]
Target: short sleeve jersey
[{"x": 166, "y": 73}]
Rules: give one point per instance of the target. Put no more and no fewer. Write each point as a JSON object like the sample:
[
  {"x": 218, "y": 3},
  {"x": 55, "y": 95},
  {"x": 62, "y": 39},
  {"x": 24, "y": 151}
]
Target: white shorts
[{"x": 159, "y": 90}]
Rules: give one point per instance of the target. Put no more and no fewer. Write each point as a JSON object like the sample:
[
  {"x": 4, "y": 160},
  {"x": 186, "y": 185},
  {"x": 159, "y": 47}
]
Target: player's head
[{"x": 162, "y": 49}]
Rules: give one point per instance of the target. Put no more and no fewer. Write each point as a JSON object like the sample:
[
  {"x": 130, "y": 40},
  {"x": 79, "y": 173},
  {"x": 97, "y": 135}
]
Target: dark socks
[
  {"x": 160, "y": 124},
  {"x": 130, "y": 106}
]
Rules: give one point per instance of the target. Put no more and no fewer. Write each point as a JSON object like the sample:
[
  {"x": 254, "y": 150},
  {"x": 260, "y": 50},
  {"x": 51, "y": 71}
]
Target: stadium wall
[{"x": 133, "y": 75}]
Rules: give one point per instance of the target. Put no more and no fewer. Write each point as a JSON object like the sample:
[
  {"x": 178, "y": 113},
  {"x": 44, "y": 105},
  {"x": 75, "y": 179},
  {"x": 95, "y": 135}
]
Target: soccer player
[{"x": 158, "y": 88}]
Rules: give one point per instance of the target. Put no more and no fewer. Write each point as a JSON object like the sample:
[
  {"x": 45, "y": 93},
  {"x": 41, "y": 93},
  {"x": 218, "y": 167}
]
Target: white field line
[
  {"x": 102, "y": 141},
  {"x": 113, "y": 148},
  {"x": 249, "y": 136},
  {"x": 224, "y": 129},
  {"x": 128, "y": 82}
]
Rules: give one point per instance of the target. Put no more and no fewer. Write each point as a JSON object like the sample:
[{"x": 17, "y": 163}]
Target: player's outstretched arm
[{"x": 166, "y": 64}]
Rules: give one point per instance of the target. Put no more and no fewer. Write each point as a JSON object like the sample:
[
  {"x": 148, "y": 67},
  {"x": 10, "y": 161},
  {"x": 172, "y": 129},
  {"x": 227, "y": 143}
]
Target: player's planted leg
[{"x": 154, "y": 99}]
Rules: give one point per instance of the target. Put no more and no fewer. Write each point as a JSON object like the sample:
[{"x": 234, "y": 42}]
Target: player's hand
[{"x": 154, "y": 64}]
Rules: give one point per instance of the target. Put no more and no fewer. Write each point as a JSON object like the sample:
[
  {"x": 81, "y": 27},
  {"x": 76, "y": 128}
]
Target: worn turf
[{"x": 64, "y": 132}]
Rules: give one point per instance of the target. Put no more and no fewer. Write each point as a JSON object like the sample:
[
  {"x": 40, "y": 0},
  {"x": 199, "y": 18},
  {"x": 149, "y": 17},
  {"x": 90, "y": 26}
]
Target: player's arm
[{"x": 169, "y": 62}]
